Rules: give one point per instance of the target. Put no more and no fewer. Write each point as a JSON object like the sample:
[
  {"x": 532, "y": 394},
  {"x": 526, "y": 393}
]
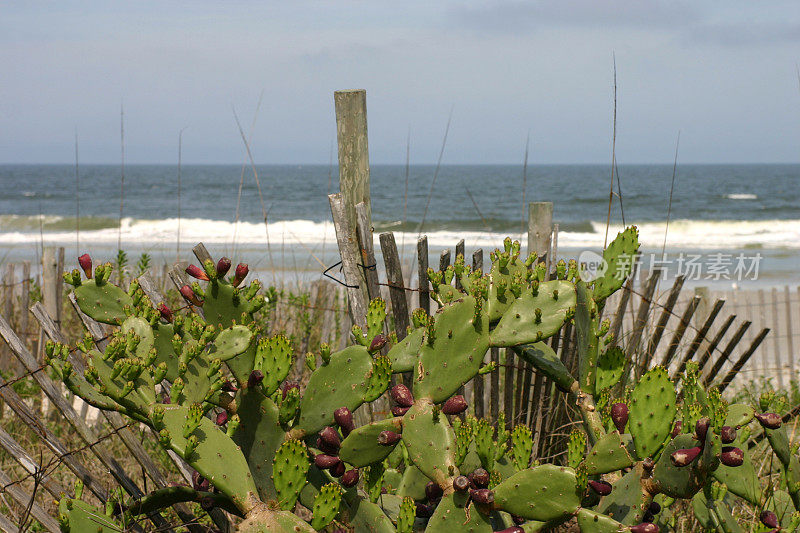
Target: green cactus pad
[
  {"x": 628, "y": 501},
  {"x": 430, "y": 441},
  {"x": 268, "y": 521},
  {"x": 367, "y": 516},
  {"x": 741, "y": 480},
  {"x": 521, "y": 446},
  {"x": 413, "y": 483},
  {"x": 76, "y": 516},
  {"x": 542, "y": 493},
  {"x": 456, "y": 353},
  {"x": 289, "y": 469},
  {"x": 326, "y": 505},
  {"x": 532, "y": 318},
  {"x": 610, "y": 365},
  {"x": 590, "y": 521},
  {"x": 406, "y": 516},
  {"x": 652, "y": 412},
  {"x": 216, "y": 457},
  {"x": 619, "y": 257},
  {"x": 340, "y": 383},
  {"x": 224, "y": 304},
  {"x": 274, "y": 359},
  {"x": 611, "y": 453},
  {"x": 103, "y": 303},
  {"x": 231, "y": 342},
  {"x": 678, "y": 482},
  {"x": 258, "y": 435},
  {"x": 586, "y": 337},
  {"x": 376, "y": 315},
  {"x": 361, "y": 447},
  {"x": 453, "y": 514},
  {"x": 576, "y": 448},
  {"x": 500, "y": 296},
  {"x": 779, "y": 442},
  {"x": 542, "y": 357},
  {"x": 739, "y": 415},
  {"x": 404, "y": 354},
  {"x": 379, "y": 378}
]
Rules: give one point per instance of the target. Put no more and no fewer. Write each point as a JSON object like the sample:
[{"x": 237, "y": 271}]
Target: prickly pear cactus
[{"x": 213, "y": 388}]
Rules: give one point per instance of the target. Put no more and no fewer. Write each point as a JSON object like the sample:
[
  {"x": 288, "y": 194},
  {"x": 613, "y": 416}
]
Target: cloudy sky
[{"x": 723, "y": 73}]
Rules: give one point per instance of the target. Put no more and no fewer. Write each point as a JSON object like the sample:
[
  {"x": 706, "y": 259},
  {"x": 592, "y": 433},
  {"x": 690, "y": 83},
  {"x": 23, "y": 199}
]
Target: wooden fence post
[
  {"x": 351, "y": 135},
  {"x": 422, "y": 275},
  {"x": 540, "y": 233}
]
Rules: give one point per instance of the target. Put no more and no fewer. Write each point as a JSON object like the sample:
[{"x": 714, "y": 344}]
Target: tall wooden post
[
  {"x": 351, "y": 135},
  {"x": 540, "y": 228}
]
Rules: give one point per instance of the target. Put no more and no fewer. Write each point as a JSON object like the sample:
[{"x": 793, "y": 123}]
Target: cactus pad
[
  {"x": 289, "y": 470},
  {"x": 652, "y": 412}
]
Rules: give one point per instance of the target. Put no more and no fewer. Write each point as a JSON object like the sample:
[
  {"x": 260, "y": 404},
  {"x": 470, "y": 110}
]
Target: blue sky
[{"x": 723, "y": 73}]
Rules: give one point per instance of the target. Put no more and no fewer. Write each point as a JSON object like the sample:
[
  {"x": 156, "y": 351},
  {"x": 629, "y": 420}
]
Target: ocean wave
[
  {"x": 741, "y": 196},
  {"x": 700, "y": 234}
]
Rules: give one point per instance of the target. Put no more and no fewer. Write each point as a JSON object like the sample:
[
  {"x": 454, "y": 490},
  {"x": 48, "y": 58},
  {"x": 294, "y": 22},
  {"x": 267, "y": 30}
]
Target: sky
[{"x": 724, "y": 74}]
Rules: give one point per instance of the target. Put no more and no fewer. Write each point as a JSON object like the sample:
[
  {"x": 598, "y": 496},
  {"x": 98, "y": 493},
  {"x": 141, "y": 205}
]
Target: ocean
[{"x": 720, "y": 213}]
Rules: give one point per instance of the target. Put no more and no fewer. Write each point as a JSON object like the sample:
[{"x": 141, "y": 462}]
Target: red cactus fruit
[
  {"x": 677, "y": 427},
  {"x": 344, "y": 419},
  {"x": 644, "y": 528},
  {"x": 330, "y": 437},
  {"x": 325, "y": 461},
  {"x": 769, "y": 420},
  {"x": 241, "y": 272},
  {"x": 480, "y": 478},
  {"x": 461, "y": 483},
  {"x": 190, "y": 296},
  {"x": 701, "y": 428},
  {"x": 337, "y": 470},
  {"x": 685, "y": 456},
  {"x": 399, "y": 411},
  {"x": 769, "y": 519},
  {"x": 388, "y": 438},
  {"x": 197, "y": 272},
  {"x": 350, "y": 478},
  {"x": 377, "y": 343},
  {"x": 223, "y": 265},
  {"x": 603, "y": 488},
  {"x": 433, "y": 491},
  {"x": 455, "y": 405},
  {"x": 619, "y": 415},
  {"x": 166, "y": 312},
  {"x": 255, "y": 379},
  {"x": 731, "y": 456},
  {"x": 401, "y": 395},
  {"x": 727, "y": 434},
  {"x": 85, "y": 262},
  {"x": 222, "y": 418}
]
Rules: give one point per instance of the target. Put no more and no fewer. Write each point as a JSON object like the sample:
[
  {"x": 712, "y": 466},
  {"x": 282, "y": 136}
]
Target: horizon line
[{"x": 383, "y": 163}]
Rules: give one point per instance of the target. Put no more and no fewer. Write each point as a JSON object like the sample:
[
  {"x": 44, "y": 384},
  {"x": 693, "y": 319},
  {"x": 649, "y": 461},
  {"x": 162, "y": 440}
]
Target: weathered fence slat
[
  {"x": 715, "y": 341},
  {"x": 641, "y": 321},
  {"x": 367, "y": 251},
  {"x": 742, "y": 360},
  {"x": 23, "y": 498},
  {"x": 86, "y": 433},
  {"x": 700, "y": 336},
  {"x": 24, "y": 459},
  {"x": 422, "y": 275},
  {"x": 352, "y": 276},
  {"x": 686, "y": 319},
  {"x": 663, "y": 319},
  {"x": 726, "y": 352}
]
